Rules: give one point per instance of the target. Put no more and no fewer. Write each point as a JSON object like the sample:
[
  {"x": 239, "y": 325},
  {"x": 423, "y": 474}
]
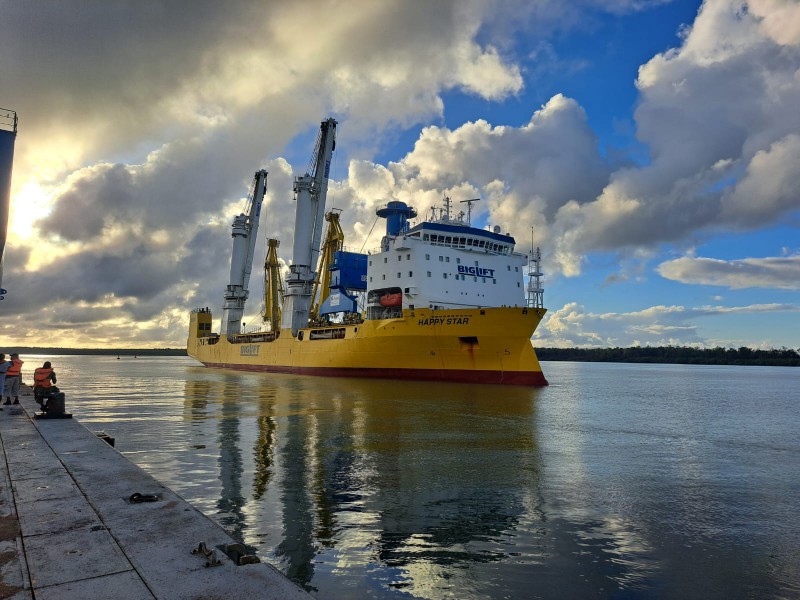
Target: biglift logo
[{"x": 475, "y": 271}]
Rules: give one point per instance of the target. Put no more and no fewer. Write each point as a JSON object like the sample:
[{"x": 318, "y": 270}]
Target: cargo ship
[{"x": 440, "y": 300}]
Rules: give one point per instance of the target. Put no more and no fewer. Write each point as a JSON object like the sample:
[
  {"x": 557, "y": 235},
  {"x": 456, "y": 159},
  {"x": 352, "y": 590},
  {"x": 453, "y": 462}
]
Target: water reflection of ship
[
  {"x": 401, "y": 470},
  {"x": 231, "y": 502},
  {"x": 454, "y": 478}
]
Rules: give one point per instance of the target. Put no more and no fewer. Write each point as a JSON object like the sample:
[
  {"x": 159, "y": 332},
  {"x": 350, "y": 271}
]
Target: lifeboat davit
[{"x": 391, "y": 300}]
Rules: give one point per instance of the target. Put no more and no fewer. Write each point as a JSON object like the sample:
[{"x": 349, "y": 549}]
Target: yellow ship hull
[{"x": 490, "y": 345}]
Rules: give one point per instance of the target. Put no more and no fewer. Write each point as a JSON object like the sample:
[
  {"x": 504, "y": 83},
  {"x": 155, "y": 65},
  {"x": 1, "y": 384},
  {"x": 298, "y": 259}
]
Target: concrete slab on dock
[{"x": 69, "y": 531}]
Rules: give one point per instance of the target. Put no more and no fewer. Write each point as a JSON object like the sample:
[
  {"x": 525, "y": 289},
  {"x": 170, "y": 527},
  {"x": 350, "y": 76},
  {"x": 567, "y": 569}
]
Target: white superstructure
[{"x": 443, "y": 264}]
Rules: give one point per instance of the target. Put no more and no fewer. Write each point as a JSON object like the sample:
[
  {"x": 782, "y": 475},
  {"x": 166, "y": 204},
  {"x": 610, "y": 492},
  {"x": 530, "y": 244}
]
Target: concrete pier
[{"x": 68, "y": 528}]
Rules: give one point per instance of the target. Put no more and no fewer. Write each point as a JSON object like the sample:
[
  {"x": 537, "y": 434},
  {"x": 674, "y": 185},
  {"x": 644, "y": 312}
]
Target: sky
[{"x": 651, "y": 148}]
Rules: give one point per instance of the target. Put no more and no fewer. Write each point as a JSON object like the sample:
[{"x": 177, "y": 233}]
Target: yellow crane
[
  {"x": 273, "y": 287},
  {"x": 334, "y": 242}
]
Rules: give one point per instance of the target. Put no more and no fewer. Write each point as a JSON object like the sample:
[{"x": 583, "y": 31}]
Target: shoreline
[{"x": 783, "y": 357}]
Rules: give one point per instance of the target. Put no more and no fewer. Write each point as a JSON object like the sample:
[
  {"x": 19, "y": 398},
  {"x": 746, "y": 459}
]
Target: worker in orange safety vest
[
  {"x": 13, "y": 377},
  {"x": 43, "y": 378}
]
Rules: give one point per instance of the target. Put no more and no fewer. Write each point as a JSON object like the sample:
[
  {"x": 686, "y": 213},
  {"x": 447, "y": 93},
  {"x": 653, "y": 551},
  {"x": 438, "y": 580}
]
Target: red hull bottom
[{"x": 496, "y": 377}]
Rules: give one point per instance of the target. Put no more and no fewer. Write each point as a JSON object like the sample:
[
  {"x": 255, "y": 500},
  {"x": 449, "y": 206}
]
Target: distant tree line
[
  {"x": 783, "y": 357},
  {"x": 98, "y": 351}
]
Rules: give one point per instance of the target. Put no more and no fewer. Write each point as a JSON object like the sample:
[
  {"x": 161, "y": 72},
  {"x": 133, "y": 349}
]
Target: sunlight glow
[{"x": 32, "y": 202}]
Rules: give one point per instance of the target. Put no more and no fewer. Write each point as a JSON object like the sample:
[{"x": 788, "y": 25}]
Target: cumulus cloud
[
  {"x": 773, "y": 272},
  {"x": 141, "y": 127},
  {"x": 98, "y": 77},
  {"x": 719, "y": 117},
  {"x": 523, "y": 174},
  {"x": 769, "y": 186},
  {"x": 574, "y": 326},
  {"x": 780, "y": 19}
]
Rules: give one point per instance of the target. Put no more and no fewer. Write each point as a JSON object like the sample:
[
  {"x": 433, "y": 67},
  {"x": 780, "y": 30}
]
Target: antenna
[
  {"x": 469, "y": 209},
  {"x": 447, "y": 204}
]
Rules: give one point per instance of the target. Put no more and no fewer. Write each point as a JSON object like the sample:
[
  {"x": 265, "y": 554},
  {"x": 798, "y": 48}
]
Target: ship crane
[
  {"x": 310, "y": 191},
  {"x": 334, "y": 242},
  {"x": 273, "y": 287},
  {"x": 243, "y": 232}
]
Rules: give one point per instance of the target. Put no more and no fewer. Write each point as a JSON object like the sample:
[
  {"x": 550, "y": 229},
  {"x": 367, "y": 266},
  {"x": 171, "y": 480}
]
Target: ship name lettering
[
  {"x": 249, "y": 350},
  {"x": 444, "y": 321}
]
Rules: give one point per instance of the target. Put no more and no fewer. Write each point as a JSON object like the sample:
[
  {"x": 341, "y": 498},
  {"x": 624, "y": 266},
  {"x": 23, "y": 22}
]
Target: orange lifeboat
[{"x": 391, "y": 300}]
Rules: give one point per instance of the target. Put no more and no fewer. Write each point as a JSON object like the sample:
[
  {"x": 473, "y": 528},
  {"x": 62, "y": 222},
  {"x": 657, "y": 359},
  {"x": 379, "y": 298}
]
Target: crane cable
[{"x": 369, "y": 234}]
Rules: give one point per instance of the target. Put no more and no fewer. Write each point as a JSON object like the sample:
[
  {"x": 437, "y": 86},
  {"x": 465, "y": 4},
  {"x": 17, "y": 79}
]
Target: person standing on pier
[
  {"x": 4, "y": 365},
  {"x": 43, "y": 378},
  {"x": 13, "y": 378}
]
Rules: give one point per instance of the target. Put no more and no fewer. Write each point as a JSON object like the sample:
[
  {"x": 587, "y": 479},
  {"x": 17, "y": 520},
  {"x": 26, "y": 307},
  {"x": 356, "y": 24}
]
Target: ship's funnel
[{"x": 397, "y": 215}]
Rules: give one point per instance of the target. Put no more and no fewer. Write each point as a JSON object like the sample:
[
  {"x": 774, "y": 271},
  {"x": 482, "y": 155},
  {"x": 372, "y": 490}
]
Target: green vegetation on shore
[
  {"x": 97, "y": 351},
  {"x": 783, "y": 357}
]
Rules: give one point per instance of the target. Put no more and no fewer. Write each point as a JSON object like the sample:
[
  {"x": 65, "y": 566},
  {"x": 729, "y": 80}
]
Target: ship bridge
[{"x": 463, "y": 237}]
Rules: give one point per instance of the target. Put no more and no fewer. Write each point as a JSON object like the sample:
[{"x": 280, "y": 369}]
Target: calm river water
[{"x": 623, "y": 481}]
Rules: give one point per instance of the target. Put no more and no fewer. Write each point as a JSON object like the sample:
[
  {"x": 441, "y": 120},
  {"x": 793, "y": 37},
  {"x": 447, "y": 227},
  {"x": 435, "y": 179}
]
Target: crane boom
[
  {"x": 311, "y": 193},
  {"x": 334, "y": 242},
  {"x": 273, "y": 288},
  {"x": 243, "y": 232}
]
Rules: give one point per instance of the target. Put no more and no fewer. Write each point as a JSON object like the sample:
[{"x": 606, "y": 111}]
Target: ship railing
[
  {"x": 208, "y": 339},
  {"x": 8, "y": 120},
  {"x": 380, "y": 313},
  {"x": 333, "y": 333},
  {"x": 252, "y": 338}
]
